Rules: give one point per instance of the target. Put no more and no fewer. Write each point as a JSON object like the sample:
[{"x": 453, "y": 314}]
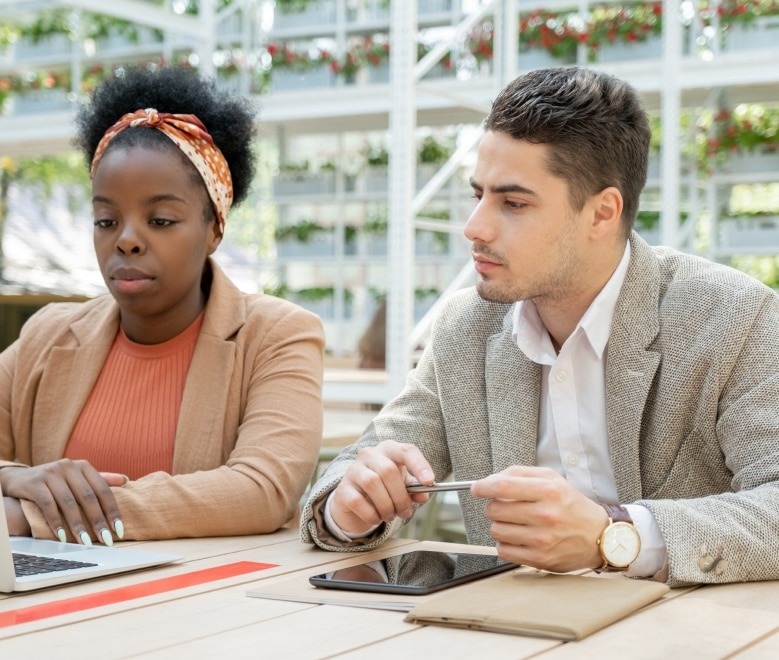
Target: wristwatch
[{"x": 619, "y": 544}]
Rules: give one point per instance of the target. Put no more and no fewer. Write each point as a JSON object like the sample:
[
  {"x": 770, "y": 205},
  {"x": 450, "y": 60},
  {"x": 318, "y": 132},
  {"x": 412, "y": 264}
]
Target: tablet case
[{"x": 538, "y": 604}]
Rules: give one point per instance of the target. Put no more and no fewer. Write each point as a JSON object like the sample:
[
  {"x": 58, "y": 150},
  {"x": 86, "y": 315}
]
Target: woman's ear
[
  {"x": 214, "y": 236},
  {"x": 607, "y": 212}
]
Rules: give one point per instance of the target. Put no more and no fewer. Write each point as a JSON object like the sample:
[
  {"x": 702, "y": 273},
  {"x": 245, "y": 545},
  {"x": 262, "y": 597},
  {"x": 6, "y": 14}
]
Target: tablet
[{"x": 417, "y": 572}]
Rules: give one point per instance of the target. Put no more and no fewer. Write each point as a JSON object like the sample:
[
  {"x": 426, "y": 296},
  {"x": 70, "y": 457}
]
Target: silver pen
[{"x": 438, "y": 486}]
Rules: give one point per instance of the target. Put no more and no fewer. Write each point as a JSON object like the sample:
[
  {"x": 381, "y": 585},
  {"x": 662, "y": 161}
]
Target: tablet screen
[{"x": 417, "y": 572}]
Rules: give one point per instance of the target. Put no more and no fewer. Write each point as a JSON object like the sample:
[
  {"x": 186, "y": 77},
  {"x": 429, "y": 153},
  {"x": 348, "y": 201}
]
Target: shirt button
[
  {"x": 572, "y": 459},
  {"x": 560, "y": 376}
]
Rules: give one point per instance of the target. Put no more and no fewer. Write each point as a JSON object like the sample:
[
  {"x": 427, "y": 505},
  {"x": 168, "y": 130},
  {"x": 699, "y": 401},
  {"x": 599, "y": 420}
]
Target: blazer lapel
[
  {"x": 203, "y": 407},
  {"x": 513, "y": 384},
  {"x": 70, "y": 375},
  {"x": 631, "y": 367}
]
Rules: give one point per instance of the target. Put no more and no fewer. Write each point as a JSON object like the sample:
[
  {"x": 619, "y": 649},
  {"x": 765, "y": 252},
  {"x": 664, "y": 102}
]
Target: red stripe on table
[{"x": 111, "y": 596}]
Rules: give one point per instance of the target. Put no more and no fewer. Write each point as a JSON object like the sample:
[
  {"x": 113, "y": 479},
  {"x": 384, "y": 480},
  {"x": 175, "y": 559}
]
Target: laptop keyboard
[{"x": 34, "y": 565}]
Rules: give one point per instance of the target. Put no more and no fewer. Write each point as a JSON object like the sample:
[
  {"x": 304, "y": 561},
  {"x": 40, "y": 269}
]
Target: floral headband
[{"x": 191, "y": 136}]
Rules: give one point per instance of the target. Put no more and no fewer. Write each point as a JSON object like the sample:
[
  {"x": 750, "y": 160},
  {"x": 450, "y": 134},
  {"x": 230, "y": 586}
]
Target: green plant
[
  {"x": 350, "y": 233},
  {"x": 629, "y": 23},
  {"x": 315, "y": 293},
  {"x": 295, "y": 166},
  {"x": 302, "y": 231},
  {"x": 376, "y": 155},
  {"x": 746, "y": 128},
  {"x": 738, "y": 11},
  {"x": 376, "y": 224},
  {"x": 433, "y": 151},
  {"x": 550, "y": 31},
  {"x": 292, "y": 6}
]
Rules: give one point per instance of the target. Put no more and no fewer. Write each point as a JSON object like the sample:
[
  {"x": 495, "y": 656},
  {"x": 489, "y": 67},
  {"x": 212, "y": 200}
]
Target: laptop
[{"x": 27, "y": 564}]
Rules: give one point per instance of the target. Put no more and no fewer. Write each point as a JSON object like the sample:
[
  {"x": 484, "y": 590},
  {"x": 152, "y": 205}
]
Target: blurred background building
[{"x": 369, "y": 112}]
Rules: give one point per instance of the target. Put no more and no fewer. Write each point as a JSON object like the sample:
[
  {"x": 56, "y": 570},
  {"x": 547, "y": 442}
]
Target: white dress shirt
[{"x": 572, "y": 430}]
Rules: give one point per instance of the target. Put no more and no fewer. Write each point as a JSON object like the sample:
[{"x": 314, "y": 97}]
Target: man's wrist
[{"x": 336, "y": 530}]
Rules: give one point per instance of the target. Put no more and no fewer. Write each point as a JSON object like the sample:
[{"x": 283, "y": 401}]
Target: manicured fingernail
[
  {"x": 61, "y": 535},
  {"x": 85, "y": 538},
  {"x": 106, "y": 536},
  {"x": 119, "y": 529}
]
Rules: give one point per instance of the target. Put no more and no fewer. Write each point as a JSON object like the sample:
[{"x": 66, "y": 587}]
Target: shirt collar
[{"x": 533, "y": 339}]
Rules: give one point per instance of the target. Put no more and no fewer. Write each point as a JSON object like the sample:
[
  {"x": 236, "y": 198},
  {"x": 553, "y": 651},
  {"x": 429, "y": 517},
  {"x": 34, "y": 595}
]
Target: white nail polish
[
  {"x": 119, "y": 529},
  {"x": 85, "y": 538},
  {"x": 106, "y": 536},
  {"x": 61, "y": 535}
]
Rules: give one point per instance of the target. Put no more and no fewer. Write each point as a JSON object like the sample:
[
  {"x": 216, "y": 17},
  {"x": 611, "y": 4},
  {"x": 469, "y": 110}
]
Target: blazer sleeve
[
  {"x": 734, "y": 536},
  {"x": 7, "y": 365},
  {"x": 414, "y": 416},
  {"x": 277, "y": 396}
]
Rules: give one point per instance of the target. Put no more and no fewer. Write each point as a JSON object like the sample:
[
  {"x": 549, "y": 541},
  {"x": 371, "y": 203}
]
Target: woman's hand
[
  {"x": 71, "y": 495},
  {"x": 14, "y": 516}
]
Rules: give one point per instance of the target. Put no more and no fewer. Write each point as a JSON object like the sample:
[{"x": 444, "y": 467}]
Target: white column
[
  {"x": 670, "y": 151},
  {"x": 402, "y": 171}
]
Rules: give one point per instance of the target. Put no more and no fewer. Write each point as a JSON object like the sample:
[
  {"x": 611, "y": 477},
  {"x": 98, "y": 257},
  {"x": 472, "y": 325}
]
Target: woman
[{"x": 176, "y": 406}]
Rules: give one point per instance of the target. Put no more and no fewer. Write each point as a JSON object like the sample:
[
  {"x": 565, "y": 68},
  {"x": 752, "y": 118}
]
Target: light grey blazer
[{"x": 692, "y": 403}]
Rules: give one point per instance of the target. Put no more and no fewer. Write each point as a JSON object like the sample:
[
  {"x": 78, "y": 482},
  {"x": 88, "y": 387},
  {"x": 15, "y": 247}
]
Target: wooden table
[{"x": 217, "y": 618}]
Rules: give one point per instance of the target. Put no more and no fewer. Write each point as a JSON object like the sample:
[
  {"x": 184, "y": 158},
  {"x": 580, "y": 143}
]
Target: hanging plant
[{"x": 302, "y": 231}]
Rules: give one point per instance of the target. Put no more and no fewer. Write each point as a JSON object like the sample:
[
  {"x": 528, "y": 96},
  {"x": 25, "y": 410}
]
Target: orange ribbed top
[{"x": 128, "y": 423}]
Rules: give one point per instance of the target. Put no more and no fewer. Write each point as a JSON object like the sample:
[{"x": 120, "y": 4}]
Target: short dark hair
[
  {"x": 176, "y": 89},
  {"x": 595, "y": 123}
]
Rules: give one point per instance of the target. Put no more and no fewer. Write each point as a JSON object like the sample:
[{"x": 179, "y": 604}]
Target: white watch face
[{"x": 620, "y": 544}]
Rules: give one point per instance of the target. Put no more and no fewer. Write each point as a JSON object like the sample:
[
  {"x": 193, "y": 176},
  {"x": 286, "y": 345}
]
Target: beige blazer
[
  {"x": 692, "y": 404},
  {"x": 250, "y": 423}
]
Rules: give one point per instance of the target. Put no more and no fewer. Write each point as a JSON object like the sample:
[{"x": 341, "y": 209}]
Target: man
[{"x": 586, "y": 369}]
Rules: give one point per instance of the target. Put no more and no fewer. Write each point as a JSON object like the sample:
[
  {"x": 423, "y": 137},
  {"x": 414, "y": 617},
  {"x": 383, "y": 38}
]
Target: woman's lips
[{"x": 130, "y": 280}]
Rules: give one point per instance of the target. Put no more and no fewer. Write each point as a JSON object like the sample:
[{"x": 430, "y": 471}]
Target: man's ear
[{"x": 606, "y": 212}]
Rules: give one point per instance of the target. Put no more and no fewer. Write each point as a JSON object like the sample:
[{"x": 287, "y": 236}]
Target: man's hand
[
  {"x": 70, "y": 494},
  {"x": 373, "y": 489},
  {"x": 540, "y": 520}
]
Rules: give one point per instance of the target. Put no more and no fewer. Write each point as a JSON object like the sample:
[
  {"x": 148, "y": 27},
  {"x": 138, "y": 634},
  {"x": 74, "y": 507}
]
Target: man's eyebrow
[{"x": 506, "y": 188}]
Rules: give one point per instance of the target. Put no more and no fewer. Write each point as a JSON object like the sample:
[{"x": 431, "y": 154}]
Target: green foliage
[
  {"x": 292, "y": 6},
  {"x": 433, "y": 151},
  {"x": 302, "y": 231},
  {"x": 376, "y": 155}
]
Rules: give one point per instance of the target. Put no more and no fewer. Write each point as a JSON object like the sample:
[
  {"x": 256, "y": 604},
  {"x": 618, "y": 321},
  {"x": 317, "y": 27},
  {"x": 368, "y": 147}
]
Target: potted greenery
[
  {"x": 620, "y": 32},
  {"x": 376, "y": 173},
  {"x": 300, "y": 178},
  {"x": 375, "y": 232},
  {"x": 303, "y": 239},
  {"x": 303, "y": 13},
  {"x": 747, "y": 25},
  {"x": 744, "y": 139},
  {"x": 298, "y": 68}
]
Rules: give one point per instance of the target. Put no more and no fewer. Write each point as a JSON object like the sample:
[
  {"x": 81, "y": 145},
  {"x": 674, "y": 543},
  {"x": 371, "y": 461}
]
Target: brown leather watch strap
[{"x": 617, "y": 513}]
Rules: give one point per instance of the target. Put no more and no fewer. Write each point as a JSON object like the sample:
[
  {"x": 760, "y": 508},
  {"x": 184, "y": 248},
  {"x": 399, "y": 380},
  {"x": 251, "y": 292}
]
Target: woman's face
[{"x": 152, "y": 239}]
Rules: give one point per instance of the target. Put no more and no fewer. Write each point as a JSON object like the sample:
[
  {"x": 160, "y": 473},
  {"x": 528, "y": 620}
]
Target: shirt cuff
[
  {"x": 339, "y": 533},
  {"x": 652, "y": 557}
]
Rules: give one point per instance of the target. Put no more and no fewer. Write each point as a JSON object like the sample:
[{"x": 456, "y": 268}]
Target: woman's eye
[
  {"x": 160, "y": 222},
  {"x": 104, "y": 224}
]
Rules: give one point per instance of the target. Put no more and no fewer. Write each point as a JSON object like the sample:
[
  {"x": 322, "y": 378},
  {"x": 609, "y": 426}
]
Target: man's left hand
[{"x": 540, "y": 520}]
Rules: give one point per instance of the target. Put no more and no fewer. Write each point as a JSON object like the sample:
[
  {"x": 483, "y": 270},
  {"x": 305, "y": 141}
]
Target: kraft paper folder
[{"x": 566, "y": 607}]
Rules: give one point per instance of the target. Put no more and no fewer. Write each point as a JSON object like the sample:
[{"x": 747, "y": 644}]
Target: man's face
[{"x": 527, "y": 241}]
